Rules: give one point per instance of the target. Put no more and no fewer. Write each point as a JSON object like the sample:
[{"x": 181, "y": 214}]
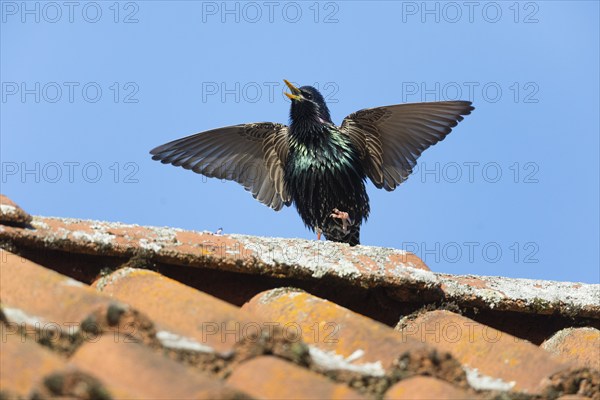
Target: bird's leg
[
  {"x": 319, "y": 231},
  {"x": 343, "y": 216}
]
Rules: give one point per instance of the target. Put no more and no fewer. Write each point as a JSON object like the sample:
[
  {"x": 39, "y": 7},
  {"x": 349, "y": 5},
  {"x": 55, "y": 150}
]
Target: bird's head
[{"x": 308, "y": 105}]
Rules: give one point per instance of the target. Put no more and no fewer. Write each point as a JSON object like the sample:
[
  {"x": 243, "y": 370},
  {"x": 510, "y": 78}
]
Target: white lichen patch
[
  {"x": 274, "y": 294},
  {"x": 8, "y": 210},
  {"x": 18, "y": 316},
  {"x": 330, "y": 360},
  {"x": 479, "y": 381},
  {"x": 29, "y": 322},
  {"x": 148, "y": 245},
  {"x": 317, "y": 258},
  {"x": 543, "y": 294},
  {"x": 36, "y": 223},
  {"x": 177, "y": 342},
  {"x": 421, "y": 275},
  {"x": 73, "y": 282},
  {"x": 455, "y": 288},
  {"x": 165, "y": 234},
  {"x": 105, "y": 225},
  {"x": 99, "y": 237}
]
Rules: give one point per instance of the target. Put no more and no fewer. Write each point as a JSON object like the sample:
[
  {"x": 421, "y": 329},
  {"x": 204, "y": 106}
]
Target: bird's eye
[{"x": 308, "y": 96}]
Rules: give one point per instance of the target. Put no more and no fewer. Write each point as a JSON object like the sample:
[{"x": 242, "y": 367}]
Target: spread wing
[
  {"x": 392, "y": 138},
  {"x": 250, "y": 154}
]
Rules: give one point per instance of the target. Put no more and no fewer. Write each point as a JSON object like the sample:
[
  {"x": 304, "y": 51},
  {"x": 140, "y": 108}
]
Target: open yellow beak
[{"x": 296, "y": 94}]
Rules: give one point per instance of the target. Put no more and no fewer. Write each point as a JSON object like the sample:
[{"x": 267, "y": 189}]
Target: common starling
[{"x": 319, "y": 167}]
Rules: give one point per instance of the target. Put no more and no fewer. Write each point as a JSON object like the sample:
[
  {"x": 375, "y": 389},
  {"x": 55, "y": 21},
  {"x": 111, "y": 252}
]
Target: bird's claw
[
  {"x": 340, "y": 214},
  {"x": 344, "y": 216}
]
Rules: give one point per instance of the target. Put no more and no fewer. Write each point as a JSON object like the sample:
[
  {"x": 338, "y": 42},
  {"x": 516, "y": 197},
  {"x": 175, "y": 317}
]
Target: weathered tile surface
[
  {"x": 61, "y": 310},
  {"x": 426, "y": 388},
  {"x": 580, "y": 346},
  {"x": 188, "y": 320},
  {"x": 272, "y": 378},
  {"x": 339, "y": 339},
  {"x": 11, "y": 213},
  {"x": 131, "y": 370},
  {"x": 23, "y": 363},
  {"x": 492, "y": 359}
]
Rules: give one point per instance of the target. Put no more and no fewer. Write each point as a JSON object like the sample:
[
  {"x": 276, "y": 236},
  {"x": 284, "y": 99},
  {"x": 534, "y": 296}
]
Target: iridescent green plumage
[{"x": 324, "y": 172}]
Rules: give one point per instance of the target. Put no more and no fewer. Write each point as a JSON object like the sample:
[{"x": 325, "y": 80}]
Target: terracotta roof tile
[
  {"x": 131, "y": 370},
  {"x": 335, "y": 334},
  {"x": 234, "y": 252},
  {"x": 272, "y": 378},
  {"x": 175, "y": 307},
  {"x": 12, "y": 214},
  {"x": 513, "y": 363},
  {"x": 426, "y": 388},
  {"x": 347, "y": 344},
  {"x": 578, "y": 345},
  {"x": 188, "y": 320},
  {"x": 59, "y": 311},
  {"x": 23, "y": 364}
]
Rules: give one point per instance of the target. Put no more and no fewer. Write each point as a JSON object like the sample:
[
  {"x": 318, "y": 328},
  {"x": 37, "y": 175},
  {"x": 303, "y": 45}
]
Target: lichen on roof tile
[
  {"x": 485, "y": 351},
  {"x": 131, "y": 370},
  {"x": 11, "y": 213},
  {"x": 479, "y": 381},
  {"x": 580, "y": 346},
  {"x": 178, "y": 342},
  {"x": 317, "y": 257},
  {"x": 330, "y": 360},
  {"x": 337, "y": 337}
]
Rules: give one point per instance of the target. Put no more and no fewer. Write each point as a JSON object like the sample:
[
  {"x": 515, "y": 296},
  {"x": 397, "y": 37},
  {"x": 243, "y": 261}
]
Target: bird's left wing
[
  {"x": 250, "y": 154},
  {"x": 391, "y": 138}
]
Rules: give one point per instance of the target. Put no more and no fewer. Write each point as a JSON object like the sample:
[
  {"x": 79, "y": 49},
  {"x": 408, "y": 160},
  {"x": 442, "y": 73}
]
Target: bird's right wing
[
  {"x": 250, "y": 154},
  {"x": 391, "y": 138}
]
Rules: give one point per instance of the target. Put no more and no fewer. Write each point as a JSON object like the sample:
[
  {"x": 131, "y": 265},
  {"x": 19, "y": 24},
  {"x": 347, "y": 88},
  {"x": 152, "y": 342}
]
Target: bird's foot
[
  {"x": 343, "y": 216},
  {"x": 319, "y": 232}
]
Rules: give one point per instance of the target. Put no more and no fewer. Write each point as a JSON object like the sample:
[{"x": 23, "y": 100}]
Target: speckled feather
[{"x": 323, "y": 172}]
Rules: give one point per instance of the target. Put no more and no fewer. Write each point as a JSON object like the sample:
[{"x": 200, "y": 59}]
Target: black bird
[{"x": 319, "y": 167}]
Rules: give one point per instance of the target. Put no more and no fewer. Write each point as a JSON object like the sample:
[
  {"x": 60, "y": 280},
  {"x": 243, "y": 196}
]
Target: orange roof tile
[
  {"x": 23, "y": 363},
  {"x": 349, "y": 346},
  {"x": 12, "y": 214},
  {"x": 577, "y": 345},
  {"x": 338, "y": 338},
  {"x": 188, "y": 320},
  {"x": 485, "y": 352},
  {"x": 131, "y": 370},
  {"x": 426, "y": 388},
  {"x": 59, "y": 310},
  {"x": 185, "y": 317},
  {"x": 273, "y": 378}
]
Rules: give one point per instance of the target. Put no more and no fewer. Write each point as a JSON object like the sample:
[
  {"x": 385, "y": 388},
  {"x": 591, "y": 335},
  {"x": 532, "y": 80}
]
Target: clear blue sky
[{"x": 89, "y": 88}]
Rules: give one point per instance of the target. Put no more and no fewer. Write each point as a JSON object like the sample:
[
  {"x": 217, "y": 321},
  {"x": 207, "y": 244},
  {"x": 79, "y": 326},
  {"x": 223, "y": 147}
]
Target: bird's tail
[{"x": 335, "y": 232}]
